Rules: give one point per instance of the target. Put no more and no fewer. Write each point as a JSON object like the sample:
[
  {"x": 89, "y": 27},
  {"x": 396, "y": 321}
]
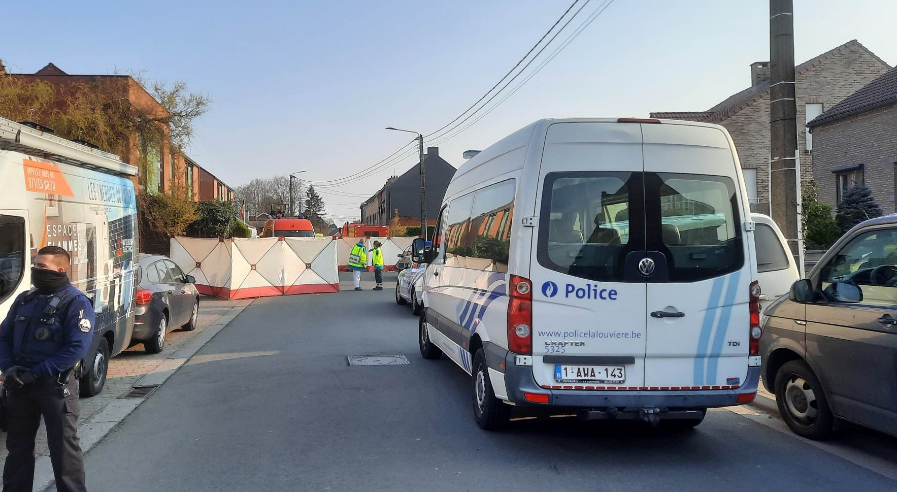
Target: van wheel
[
  {"x": 91, "y": 384},
  {"x": 427, "y": 349},
  {"x": 802, "y": 401},
  {"x": 399, "y": 299},
  {"x": 489, "y": 412},
  {"x": 683, "y": 424},
  {"x": 415, "y": 305}
]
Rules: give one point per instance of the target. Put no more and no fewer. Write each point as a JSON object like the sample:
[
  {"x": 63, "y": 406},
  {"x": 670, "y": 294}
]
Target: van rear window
[{"x": 591, "y": 221}]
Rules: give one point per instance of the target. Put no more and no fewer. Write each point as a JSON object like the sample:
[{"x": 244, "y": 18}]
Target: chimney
[
  {"x": 433, "y": 151},
  {"x": 759, "y": 72}
]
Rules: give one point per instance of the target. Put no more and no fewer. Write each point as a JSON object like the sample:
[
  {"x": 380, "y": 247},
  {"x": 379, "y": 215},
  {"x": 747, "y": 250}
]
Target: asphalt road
[{"x": 271, "y": 404}]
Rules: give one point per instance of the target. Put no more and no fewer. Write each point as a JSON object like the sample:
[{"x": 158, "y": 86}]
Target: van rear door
[
  {"x": 698, "y": 319},
  {"x": 589, "y": 326}
]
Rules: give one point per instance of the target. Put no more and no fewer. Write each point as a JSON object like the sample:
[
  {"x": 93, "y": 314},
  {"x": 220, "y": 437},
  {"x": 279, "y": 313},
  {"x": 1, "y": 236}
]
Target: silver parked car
[
  {"x": 410, "y": 282},
  {"x": 165, "y": 298},
  {"x": 829, "y": 349}
]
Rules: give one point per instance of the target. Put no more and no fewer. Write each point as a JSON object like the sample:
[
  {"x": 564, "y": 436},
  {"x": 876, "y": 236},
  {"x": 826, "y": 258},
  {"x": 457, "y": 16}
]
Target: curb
[{"x": 100, "y": 425}]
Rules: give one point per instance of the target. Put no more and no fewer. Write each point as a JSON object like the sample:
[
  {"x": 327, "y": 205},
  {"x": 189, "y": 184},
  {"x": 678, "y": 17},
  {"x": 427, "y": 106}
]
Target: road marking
[{"x": 842, "y": 450}]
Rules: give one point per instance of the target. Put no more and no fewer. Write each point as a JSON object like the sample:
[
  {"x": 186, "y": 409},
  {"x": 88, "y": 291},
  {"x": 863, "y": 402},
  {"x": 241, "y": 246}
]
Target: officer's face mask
[{"x": 48, "y": 281}]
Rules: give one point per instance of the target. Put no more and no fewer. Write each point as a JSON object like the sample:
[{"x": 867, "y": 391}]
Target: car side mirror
[
  {"x": 401, "y": 256},
  {"x": 188, "y": 279},
  {"x": 417, "y": 250},
  {"x": 846, "y": 292},
  {"x": 801, "y": 291}
]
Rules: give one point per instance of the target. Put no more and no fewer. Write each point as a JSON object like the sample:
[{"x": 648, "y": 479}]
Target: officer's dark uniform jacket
[{"x": 47, "y": 344}]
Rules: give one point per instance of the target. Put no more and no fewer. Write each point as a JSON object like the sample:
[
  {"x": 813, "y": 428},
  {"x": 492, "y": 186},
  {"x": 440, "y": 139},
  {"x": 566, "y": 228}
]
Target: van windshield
[
  {"x": 294, "y": 233},
  {"x": 12, "y": 253},
  {"x": 590, "y": 222}
]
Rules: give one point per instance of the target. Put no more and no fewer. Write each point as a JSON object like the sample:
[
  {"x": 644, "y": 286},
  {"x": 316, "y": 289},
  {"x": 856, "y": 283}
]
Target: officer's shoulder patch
[{"x": 84, "y": 325}]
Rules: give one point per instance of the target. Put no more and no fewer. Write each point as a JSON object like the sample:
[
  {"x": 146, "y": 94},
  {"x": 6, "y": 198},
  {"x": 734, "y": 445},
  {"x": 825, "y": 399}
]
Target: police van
[
  {"x": 59, "y": 193},
  {"x": 599, "y": 266}
]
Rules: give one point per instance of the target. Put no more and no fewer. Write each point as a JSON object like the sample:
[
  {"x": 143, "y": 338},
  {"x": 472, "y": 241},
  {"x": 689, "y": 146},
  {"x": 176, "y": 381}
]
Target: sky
[{"x": 300, "y": 85}]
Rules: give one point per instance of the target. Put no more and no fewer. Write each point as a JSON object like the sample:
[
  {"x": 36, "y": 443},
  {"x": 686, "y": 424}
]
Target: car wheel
[
  {"x": 415, "y": 305},
  {"x": 399, "y": 299},
  {"x": 157, "y": 343},
  {"x": 191, "y": 325},
  {"x": 489, "y": 412},
  {"x": 802, "y": 401},
  {"x": 427, "y": 348},
  {"x": 91, "y": 384}
]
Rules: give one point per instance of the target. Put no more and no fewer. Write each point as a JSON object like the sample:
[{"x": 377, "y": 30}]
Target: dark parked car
[
  {"x": 829, "y": 348},
  {"x": 165, "y": 298}
]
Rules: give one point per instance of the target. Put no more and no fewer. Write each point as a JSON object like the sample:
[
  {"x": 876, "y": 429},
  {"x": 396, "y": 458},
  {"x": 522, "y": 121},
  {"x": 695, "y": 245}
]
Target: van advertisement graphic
[{"x": 93, "y": 216}]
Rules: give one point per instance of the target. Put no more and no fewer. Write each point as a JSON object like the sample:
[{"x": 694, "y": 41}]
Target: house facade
[
  {"x": 400, "y": 196},
  {"x": 855, "y": 143},
  {"x": 821, "y": 83}
]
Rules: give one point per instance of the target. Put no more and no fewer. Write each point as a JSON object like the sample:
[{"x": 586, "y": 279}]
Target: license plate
[{"x": 589, "y": 374}]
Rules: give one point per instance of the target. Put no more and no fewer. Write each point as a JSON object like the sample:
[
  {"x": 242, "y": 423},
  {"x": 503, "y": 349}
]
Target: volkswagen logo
[
  {"x": 549, "y": 289},
  {"x": 646, "y": 267}
]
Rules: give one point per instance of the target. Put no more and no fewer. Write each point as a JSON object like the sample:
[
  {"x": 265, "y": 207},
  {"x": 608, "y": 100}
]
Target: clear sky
[{"x": 310, "y": 85}]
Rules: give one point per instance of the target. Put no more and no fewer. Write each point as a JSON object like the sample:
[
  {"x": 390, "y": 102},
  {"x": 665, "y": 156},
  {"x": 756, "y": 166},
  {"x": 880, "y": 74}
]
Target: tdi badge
[{"x": 42, "y": 333}]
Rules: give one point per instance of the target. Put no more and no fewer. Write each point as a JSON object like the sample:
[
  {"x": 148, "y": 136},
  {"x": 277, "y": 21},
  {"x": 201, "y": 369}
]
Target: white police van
[{"x": 600, "y": 266}]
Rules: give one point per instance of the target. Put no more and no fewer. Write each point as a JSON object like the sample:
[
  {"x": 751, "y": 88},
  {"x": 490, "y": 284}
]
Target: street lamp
[
  {"x": 423, "y": 181},
  {"x": 292, "y": 175}
]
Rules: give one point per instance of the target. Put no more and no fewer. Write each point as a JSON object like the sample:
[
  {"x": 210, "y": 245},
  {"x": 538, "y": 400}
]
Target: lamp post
[
  {"x": 292, "y": 175},
  {"x": 423, "y": 181}
]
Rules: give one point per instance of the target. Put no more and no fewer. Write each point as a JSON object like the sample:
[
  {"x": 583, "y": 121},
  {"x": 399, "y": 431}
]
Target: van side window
[
  {"x": 456, "y": 230},
  {"x": 12, "y": 254},
  {"x": 870, "y": 262},
  {"x": 436, "y": 241},
  {"x": 699, "y": 224},
  {"x": 584, "y": 227},
  {"x": 770, "y": 254},
  {"x": 489, "y": 240}
]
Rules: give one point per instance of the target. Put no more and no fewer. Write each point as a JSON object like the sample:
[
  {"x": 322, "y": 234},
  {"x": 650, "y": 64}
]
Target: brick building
[
  {"x": 822, "y": 82},
  {"x": 212, "y": 188},
  {"x": 165, "y": 169},
  {"x": 400, "y": 196},
  {"x": 855, "y": 143}
]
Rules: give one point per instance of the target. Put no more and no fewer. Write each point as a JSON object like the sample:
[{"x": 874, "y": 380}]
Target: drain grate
[
  {"x": 378, "y": 360},
  {"x": 141, "y": 391}
]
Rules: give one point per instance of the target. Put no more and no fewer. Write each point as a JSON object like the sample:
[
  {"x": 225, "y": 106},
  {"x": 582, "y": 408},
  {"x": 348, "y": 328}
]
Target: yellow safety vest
[
  {"x": 377, "y": 258},
  {"x": 358, "y": 258}
]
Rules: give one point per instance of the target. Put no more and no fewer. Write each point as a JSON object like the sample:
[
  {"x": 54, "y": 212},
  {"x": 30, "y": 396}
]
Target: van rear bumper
[{"x": 520, "y": 380}]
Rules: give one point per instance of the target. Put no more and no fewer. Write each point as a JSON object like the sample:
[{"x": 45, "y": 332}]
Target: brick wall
[
  {"x": 869, "y": 139},
  {"x": 828, "y": 81}
]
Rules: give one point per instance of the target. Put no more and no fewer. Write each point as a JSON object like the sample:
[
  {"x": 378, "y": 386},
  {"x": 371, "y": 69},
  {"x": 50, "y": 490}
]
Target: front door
[{"x": 853, "y": 346}]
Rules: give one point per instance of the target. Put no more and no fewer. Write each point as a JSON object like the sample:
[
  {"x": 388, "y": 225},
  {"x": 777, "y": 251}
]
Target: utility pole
[
  {"x": 784, "y": 201},
  {"x": 423, "y": 189},
  {"x": 293, "y": 175}
]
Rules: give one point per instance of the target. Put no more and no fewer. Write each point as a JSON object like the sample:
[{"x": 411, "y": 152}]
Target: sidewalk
[{"x": 134, "y": 367}]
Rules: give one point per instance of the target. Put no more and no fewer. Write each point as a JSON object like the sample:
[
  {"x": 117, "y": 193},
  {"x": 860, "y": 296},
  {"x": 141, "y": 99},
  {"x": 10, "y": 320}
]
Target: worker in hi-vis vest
[
  {"x": 377, "y": 262},
  {"x": 358, "y": 260}
]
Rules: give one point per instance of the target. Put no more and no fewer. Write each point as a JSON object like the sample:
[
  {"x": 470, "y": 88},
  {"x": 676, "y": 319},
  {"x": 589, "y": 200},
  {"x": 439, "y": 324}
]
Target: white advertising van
[
  {"x": 599, "y": 266},
  {"x": 56, "y": 192}
]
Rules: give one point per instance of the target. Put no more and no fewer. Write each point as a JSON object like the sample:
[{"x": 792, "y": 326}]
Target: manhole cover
[
  {"x": 141, "y": 391},
  {"x": 378, "y": 360}
]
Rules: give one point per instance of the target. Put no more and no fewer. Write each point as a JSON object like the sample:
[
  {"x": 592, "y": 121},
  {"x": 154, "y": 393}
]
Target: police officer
[{"x": 42, "y": 340}]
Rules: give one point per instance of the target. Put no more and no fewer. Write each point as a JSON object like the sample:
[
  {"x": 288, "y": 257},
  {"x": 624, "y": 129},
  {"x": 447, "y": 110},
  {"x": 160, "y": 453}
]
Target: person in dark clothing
[{"x": 43, "y": 339}]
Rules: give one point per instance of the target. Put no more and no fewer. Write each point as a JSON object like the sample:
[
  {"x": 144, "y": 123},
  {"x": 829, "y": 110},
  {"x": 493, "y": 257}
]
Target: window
[
  {"x": 189, "y": 180},
  {"x": 750, "y": 182},
  {"x": 585, "y": 223},
  {"x": 152, "y": 274},
  {"x": 812, "y": 111},
  {"x": 846, "y": 179},
  {"x": 12, "y": 254},
  {"x": 699, "y": 224},
  {"x": 175, "y": 270},
  {"x": 165, "y": 275},
  {"x": 456, "y": 230},
  {"x": 770, "y": 254},
  {"x": 870, "y": 262},
  {"x": 489, "y": 239}
]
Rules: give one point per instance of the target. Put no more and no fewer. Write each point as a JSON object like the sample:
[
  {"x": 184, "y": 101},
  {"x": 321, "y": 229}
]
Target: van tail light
[
  {"x": 520, "y": 316},
  {"x": 144, "y": 296},
  {"x": 755, "y": 331}
]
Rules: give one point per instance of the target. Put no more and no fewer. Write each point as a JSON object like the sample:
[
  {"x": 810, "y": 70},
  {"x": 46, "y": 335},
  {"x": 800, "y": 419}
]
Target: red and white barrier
[
  {"x": 247, "y": 268},
  {"x": 391, "y": 247}
]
